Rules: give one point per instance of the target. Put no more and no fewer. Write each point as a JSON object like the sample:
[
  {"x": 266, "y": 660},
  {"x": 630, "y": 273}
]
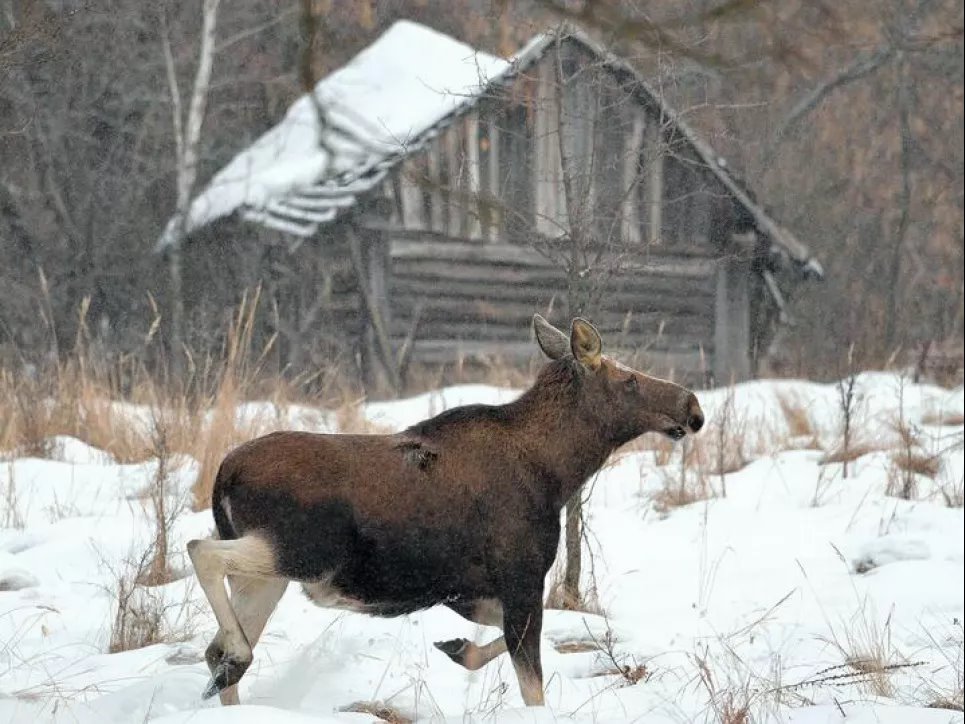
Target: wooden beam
[
  {"x": 472, "y": 187},
  {"x": 654, "y": 152},
  {"x": 454, "y": 181},
  {"x": 437, "y": 210},
  {"x": 732, "y": 323},
  {"x": 370, "y": 268},
  {"x": 413, "y": 209},
  {"x": 492, "y": 187},
  {"x": 629, "y": 216}
]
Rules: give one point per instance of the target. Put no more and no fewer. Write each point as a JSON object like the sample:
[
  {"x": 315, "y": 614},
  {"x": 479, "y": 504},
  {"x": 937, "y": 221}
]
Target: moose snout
[{"x": 695, "y": 416}]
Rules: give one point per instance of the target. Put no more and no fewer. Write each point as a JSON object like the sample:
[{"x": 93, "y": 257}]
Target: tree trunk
[
  {"x": 187, "y": 137},
  {"x": 894, "y": 275},
  {"x": 574, "y": 554}
]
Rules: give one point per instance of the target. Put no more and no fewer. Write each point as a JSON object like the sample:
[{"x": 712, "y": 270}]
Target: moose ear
[
  {"x": 551, "y": 340},
  {"x": 586, "y": 343}
]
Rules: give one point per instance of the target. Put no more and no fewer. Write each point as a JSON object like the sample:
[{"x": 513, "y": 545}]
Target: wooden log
[
  {"x": 473, "y": 229},
  {"x": 654, "y": 152},
  {"x": 629, "y": 217},
  {"x": 437, "y": 206},
  {"x": 454, "y": 180},
  {"x": 492, "y": 189},
  {"x": 732, "y": 336},
  {"x": 437, "y": 351},
  {"x": 511, "y": 254},
  {"x": 668, "y": 333},
  {"x": 520, "y": 312},
  {"x": 497, "y": 274},
  {"x": 660, "y": 293},
  {"x": 413, "y": 206},
  {"x": 550, "y": 206}
]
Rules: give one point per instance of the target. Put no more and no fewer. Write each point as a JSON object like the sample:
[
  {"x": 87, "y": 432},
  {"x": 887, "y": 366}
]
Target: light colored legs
[
  {"x": 253, "y": 601},
  {"x": 250, "y": 561},
  {"x": 465, "y": 653},
  {"x": 522, "y": 626}
]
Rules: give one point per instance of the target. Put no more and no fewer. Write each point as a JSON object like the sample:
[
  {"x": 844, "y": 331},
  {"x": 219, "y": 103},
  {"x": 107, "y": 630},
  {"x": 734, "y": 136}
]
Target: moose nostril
[{"x": 695, "y": 422}]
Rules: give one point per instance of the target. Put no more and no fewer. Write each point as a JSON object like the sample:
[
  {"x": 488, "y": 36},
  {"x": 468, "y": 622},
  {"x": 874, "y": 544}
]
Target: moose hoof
[
  {"x": 226, "y": 669},
  {"x": 455, "y": 649}
]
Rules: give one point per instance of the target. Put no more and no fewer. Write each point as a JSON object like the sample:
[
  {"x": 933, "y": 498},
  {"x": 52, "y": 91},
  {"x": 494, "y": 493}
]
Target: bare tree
[{"x": 187, "y": 137}]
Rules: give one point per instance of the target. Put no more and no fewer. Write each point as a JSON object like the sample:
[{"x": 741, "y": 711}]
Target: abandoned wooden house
[{"x": 453, "y": 194}]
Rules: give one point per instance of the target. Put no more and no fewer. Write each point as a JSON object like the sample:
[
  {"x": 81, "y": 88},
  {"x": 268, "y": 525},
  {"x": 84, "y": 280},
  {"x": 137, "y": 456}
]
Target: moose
[{"x": 461, "y": 510}]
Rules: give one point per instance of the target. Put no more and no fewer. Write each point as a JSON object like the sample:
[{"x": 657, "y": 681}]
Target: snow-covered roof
[
  {"x": 389, "y": 101},
  {"x": 409, "y": 79}
]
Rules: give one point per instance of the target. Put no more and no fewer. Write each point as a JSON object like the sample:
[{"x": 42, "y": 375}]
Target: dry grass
[
  {"x": 12, "y": 517},
  {"x": 682, "y": 481},
  {"x": 949, "y": 694},
  {"x": 910, "y": 462},
  {"x": 141, "y": 610},
  {"x": 946, "y": 419},
  {"x": 850, "y": 453},
  {"x": 680, "y": 490},
  {"x": 729, "y": 704},
  {"x": 796, "y": 415},
  {"x": 142, "y": 614},
  {"x": 953, "y": 492},
  {"x": 917, "y": 463},
  {"x": 870, "y": 659},
  {"x": 117, "y": 405},
  {"x": 378, "y": 709},
  {"x": 557, "y": 597}
]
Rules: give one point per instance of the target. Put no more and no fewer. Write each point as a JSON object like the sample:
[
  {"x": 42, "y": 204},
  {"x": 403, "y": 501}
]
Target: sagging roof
[{"x": 389, "y": 102}]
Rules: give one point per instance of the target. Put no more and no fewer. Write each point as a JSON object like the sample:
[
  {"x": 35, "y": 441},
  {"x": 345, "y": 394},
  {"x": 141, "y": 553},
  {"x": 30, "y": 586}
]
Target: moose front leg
[{"x": 522, "y": 625}]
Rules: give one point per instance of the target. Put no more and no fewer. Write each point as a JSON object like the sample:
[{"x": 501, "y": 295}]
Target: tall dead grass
[{"x": 118, "y": 404}]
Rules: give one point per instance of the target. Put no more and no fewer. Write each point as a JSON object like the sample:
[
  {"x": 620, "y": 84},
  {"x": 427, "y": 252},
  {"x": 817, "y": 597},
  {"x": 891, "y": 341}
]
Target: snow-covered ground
[{"x": 776, "y": 597}]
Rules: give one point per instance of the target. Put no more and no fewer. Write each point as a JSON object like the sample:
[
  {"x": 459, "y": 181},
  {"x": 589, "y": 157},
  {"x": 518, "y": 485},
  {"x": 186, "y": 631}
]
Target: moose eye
[{"x": 631, "y": 384}]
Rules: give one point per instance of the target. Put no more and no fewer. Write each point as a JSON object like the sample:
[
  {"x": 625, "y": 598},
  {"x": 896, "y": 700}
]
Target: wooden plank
[
  {"x": 466, "y": 251},
  {"x": 516, "y": 172},
  {"x": 403, "y": 247},
  {"x": 629, "y": 218},
  {"x": 454, "y": 182},
  {"x": 437, "y": 210},
  {"x": 579, "y": 99},
  {"x": 520, "y": 311},
  {"x": 654, "y": 152},
  {"x": 471, "y": 189},
  {"x": 388, "y": 192},
  {"x": 732, "y": 325},
  {"x": 659, "y": 293},
  {"x": 413, "y": 207},
  {"x": 431, "y": 269},
  {"x": 668, "y": 333},
  {"x": 550, "y": 207},
  {"x": 435, "y": 351},
  {"x": 492, "y": 189}
]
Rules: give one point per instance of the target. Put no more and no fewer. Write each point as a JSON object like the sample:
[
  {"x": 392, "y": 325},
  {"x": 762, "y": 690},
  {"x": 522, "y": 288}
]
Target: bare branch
[
  {"x": 252, "y": 31},
  {"x": 175, "y": 90},
  {"x": 859, "y": 69}
]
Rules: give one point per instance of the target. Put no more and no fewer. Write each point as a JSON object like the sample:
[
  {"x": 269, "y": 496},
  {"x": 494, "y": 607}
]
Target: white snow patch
[{"x": 759, "y": 581}]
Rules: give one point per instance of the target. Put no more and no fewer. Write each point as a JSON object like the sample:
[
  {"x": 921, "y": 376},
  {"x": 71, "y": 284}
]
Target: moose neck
[{"x": 567, "y": 442}]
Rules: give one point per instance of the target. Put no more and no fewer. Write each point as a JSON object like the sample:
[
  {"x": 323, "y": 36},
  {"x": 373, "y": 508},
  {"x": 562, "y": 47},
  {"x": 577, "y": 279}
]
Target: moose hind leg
[
  {"x": 253, "y": 600},
  {"x": 229, "y": 655}
]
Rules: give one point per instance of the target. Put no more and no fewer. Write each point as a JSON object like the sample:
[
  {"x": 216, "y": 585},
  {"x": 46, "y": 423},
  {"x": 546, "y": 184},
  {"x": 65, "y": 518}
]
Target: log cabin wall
[{"x": 477, "y": 226}]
